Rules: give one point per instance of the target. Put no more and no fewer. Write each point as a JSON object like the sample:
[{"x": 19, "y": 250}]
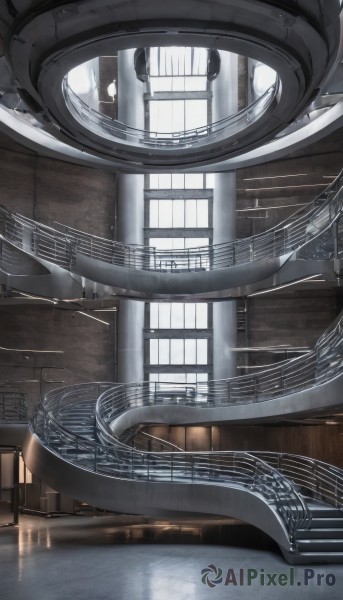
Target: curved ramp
[
  {"x": 207, "y": 272},
  {"x": 260, "y": 488}
]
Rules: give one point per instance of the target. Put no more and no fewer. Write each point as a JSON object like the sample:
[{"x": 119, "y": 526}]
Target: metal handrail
[
  {"x": 62, "y": 244},
  {"x": 322, "y": 364},
  {"x": 189, "y": 138},
  {"x": 150, "y": 443},
  {"x": 238, "y": 469},
  {"x": 275, "y": 476},
  {"x": 318, "y": 479}
]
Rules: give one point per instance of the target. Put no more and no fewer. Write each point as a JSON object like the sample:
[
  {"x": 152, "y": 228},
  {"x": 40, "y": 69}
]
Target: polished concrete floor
[{"x": 132, "y": 558}]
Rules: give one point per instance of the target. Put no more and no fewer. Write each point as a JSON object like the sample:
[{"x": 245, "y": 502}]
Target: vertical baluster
[{"x": 96, "y": 458}]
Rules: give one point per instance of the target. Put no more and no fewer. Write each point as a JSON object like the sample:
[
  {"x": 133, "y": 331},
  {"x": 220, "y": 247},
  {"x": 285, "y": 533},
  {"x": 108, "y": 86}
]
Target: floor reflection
[{"x": 132, "y": 558}]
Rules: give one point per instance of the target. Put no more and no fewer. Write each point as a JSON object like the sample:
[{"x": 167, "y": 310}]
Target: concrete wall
[
  {"x": 314, "y": 164},
  {"x": 81, "y": 197},
  {"x": 48, "y": 189}
]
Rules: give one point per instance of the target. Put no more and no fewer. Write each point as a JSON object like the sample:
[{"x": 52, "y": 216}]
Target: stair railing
[{"x": 61, "y": 244}]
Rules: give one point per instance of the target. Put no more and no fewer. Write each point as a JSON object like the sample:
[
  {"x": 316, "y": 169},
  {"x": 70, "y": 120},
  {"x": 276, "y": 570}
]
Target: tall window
[{"x": 178, "y": 215}]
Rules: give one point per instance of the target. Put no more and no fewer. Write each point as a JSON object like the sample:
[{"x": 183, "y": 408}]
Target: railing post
[
  {"x": 335, "y": 237},
  {"x": 317, "y": 483},
  {"x": 95, "y": 459}
]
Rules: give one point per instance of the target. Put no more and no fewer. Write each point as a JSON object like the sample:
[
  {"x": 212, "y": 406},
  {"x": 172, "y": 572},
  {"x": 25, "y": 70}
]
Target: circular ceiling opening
[{"x": 185, "y": 97}]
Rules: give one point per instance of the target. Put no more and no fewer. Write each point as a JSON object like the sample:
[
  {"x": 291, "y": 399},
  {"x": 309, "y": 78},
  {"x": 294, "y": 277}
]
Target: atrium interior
[{"x": 171, "y": 267}]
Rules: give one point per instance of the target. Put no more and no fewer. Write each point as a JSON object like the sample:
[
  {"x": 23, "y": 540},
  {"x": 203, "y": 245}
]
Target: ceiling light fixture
[
  {"x": 280, "y": 287},
  {"x": 79, "y": 312},
  {"x": 275, "y": 177}
]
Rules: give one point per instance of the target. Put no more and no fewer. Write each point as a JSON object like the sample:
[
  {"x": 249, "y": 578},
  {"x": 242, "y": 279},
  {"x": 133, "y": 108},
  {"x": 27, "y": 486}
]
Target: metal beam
[
  {"x": 182, "y": 194},
  {"x": 200, "y": 95}
]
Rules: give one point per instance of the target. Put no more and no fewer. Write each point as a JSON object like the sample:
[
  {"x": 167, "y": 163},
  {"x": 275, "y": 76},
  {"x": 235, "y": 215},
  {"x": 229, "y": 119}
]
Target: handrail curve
[
  {"x": 241, "y": 469},
  {"x": 191, "y": 138},
  {"x": 61, "y": 244}
]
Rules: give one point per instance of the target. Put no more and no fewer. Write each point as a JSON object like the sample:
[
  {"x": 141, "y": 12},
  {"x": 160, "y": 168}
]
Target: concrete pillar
[
  {"x": 130, "y": 224},
  {"x": 225, "y": 103}
]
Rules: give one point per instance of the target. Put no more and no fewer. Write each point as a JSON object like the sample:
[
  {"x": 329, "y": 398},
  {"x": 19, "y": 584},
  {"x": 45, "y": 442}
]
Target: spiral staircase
[{"x": 81, "y": 442}]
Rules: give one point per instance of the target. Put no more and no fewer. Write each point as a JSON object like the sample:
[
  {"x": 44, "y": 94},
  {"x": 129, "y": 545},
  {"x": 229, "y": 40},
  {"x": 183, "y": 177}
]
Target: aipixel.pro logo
[{"x": 212, "y": 576}]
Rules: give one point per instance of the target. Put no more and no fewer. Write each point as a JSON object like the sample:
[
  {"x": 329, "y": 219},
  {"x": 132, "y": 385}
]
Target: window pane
[
  {"x": 194, "y": 84},
  {"x": 178, "y": 213},
  {"x": 195, "y": 113},
  {"x": 154, "y": 352},
  {"x": 177, "y": 120},
  {"x": 201, "y": 316},
  {"x": 202, "y": 377},
  {"x": 190, "y": 316},
  {"x": 178, "y": 84},
  {"x": 163, "y": 354},
  {"x": 166, "y": 213},
  {"x": 177, "y": 377},
  {"x": 164, "y": 181},
  {"x": 177, "y": 243},
  {"x": 153, "y": 216},
  {"x": 177, "y": 318},
  {"x": 154, "y": 182},
  {"x": 153, "y": 316},
  {"x": 160, "y": 243},
  {"x": 190, "y": 352},
  {"x": 202, "y": 213},
  {"x": 210, "y": 181},
  {"x": 177, "y": 347},
  {"x": 188, "y": 378},
  {"x": 201, "y": 352},
  {"x": 178, "y": 180},
  {"x": 194, "y": 181},
  {"x": 164, "y": 311},
  {"x": 191, "y": 216},
  {"x": 196, "y": 242}
]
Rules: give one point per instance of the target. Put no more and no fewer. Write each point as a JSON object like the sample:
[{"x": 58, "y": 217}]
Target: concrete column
[
  {"x": 225, "y": 103},
  {"x": 130, "y": 224}
]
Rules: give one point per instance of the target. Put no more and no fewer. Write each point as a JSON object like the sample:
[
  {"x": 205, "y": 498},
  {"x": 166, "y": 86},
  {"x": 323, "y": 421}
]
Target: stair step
[
  {"x": 318, "y": 544},
  {"x": 309, "y": 558},
  {"x": 316, "y": 533},
  {"x": 325, "y": 511},
  {"x": 327, "y": 522}
]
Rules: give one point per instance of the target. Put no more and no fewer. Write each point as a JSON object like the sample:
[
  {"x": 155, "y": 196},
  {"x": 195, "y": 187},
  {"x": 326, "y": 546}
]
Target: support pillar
[
  {"x": 225, "y": 102},
  {"x": 130, "y": 224}
]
